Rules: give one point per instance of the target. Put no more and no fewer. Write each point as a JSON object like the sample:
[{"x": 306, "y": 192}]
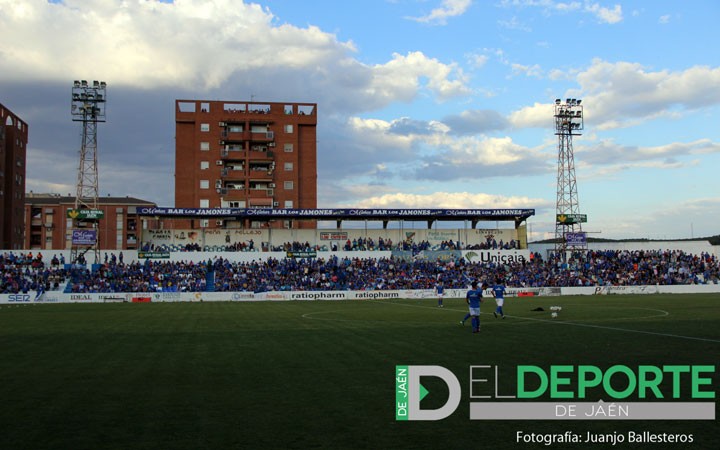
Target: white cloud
[
  {"x": 664, "y": 19},
  {"x": 674, "y": 220},
  {"x": 475, "y": 122},
  {"x": 537, "y": 115},
  {"x": 606, "y": 15},
  {"x": 514, "y": 24},
  {"x": 449, "y": 200},
  {"x": 202, "y": 45},
  {"x": 603, "y": 14},
  {"x": 477, "y": 60},
  {"x": 488, "y": 151},
  {"x": 399, "y": 78},
  {"x": 448, "y": 8},
  {"x": 529, "y": 71},
  {"x": 608, "y": 152},
  {"x": 624, "y": 93},
  {"x": 376, "y": 132}
]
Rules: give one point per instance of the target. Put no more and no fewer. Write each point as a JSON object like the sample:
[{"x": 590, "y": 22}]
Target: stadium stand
[{"x": 21, "y": 273}]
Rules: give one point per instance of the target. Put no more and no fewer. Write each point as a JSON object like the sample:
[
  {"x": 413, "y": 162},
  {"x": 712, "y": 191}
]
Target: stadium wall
[{"x": 165, "y": 297}]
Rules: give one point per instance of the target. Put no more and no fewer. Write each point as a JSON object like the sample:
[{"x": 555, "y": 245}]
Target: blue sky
[{"x": 422, "y": 103}]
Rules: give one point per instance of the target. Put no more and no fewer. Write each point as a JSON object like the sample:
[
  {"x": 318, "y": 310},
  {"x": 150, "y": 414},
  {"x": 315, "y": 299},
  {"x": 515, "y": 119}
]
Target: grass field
[{"x": 315, "y": 374}]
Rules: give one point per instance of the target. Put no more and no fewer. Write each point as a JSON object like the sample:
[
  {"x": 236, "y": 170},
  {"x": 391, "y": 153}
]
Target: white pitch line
[{"x": 627, "y": 330}]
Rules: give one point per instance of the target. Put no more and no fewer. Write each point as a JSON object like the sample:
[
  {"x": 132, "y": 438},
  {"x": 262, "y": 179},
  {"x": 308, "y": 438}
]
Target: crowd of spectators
[
  {"x": 24, "y": 272},
  {"x": 147, "y": 276},
  {"x": 492, "y": 244},
  {"x": 356, "y": 244}
]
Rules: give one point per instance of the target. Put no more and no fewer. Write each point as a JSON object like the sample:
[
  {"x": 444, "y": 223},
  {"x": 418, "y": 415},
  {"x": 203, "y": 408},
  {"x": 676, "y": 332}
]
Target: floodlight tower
[
  {"x": 568, "y": 123},
  {"x": 88, "y": 107}
]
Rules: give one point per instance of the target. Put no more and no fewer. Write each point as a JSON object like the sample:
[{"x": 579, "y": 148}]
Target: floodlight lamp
[
  {"x": 567, "y": 100},
  {"x": 96, "y": 83},
  {"x": 84, "y": 82},
  {"x": 103, "y": 84},
  {"x": 557, "y": 101},
  {"x": 76, "y": 83},
  {"x": 578, "y": 102}
]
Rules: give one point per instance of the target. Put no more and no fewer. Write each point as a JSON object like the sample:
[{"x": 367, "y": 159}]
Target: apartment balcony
[
  {"x": 236, "y": 136},
  {"x": 232, "y": 153},
  {"x": 231, "y": 171},
  {"x": 260, "y": 136},
  {"x": 263, "y": 192}
]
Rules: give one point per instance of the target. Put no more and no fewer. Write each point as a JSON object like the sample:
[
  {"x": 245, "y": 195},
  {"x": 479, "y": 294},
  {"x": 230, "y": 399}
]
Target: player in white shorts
[
  {"x": 440, "y": 292},
  {"x": 498, "y": 291}
]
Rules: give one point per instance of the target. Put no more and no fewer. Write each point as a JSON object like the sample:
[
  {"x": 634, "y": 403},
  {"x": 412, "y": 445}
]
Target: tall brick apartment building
[
  {"x": 13, "y": 151},
  {"x": 245, "y": 155}
]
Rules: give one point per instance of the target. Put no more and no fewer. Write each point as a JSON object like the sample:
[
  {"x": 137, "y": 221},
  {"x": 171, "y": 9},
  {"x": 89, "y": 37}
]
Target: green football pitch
[{"x": 319, "y": 374}]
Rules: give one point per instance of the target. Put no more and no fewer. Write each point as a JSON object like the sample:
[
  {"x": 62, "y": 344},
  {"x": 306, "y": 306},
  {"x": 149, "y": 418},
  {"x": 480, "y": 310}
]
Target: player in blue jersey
[
  {"x": 468, "y": 315},
  {"x": 473, "y": 299},
  {"x": 440, "y": 292},
  {"x": 498, "y": 291}
]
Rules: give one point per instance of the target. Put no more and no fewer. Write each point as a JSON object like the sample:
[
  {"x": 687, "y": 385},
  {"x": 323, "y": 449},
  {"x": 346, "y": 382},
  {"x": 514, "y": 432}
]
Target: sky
[{"x": 421, "y": 103}]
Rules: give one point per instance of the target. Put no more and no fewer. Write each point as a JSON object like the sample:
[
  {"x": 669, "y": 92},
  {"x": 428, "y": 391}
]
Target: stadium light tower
[
  {"x": 88, "y": 107},
  {"x": 568, "y": 220}
]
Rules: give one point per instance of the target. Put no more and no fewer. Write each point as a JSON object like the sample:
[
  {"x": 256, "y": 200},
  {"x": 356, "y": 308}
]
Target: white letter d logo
[{"x": 416, "y": 392}]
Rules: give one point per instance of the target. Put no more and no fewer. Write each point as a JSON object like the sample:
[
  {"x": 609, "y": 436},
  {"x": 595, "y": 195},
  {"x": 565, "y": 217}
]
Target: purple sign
[
  {"x": 578, "y": 239},
  {"x": 84, "y": 237}
]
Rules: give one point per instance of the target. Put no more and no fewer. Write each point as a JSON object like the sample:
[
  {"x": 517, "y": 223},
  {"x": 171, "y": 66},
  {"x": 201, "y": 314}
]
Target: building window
[
  {"x": 204, "y": 127},
  {"x": 204, "y": 203},
  {"x": 188, "y": 107},
  {"x": 288, "y": 128},
  {"x": 204, "y": 223},
  {"x": 204, "y": 165},
  {"x": 289, "y": 185},
  {"x": 288, "y": 167},
  {"x": 289, "y": 204},
  {"x": 204, "y": 184},
  {"x": 288, "y": 148},
  {"x": 204, "y": 146}
]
